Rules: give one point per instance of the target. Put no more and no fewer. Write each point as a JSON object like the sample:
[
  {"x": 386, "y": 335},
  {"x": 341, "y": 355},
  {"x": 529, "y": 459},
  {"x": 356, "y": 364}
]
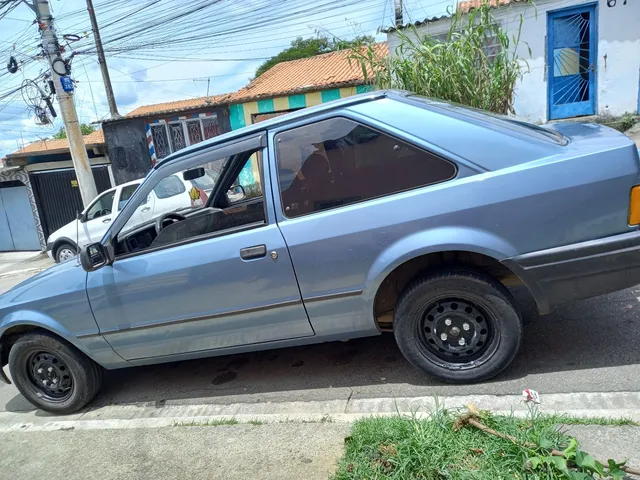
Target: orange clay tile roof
[
  {"x": 178, "y": 106},
  {"x": 44, "y": 146},
  {"x": 329, "y": 70},
  {"x": 468, "y": 5}
]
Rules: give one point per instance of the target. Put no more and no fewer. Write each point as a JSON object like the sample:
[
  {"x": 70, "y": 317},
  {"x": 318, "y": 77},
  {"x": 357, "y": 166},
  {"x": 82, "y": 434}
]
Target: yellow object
[
  {"x": 634, "y": 206},
  {"x": 194, "y": 193}
]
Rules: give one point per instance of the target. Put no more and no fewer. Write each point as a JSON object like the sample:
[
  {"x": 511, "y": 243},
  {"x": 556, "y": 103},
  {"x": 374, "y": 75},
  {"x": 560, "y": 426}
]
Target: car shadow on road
[{"x": 596, "y": 333}]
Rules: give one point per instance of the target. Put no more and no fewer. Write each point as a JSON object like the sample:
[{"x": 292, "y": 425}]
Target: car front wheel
[
  {"x": 459, "y": 326},
  {"x": 52, "y": 374},
  {"x": 64, "y": 252}
]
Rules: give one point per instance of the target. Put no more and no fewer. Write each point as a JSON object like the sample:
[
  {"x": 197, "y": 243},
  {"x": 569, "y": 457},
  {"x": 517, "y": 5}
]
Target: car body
[
  {"x": 95, "y": 219},
  {"x": 381, "y": 212}
]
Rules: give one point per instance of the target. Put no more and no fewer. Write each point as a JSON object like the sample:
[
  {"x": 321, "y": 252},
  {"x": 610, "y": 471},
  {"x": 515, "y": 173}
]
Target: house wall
[
  {"x": 618, "y": 53},
  {"x": 127, "y": 146},
  {"x": 241, "y": 115},
  {"x": 130, "y": 145},
  {"x": 7, "y": 175}
]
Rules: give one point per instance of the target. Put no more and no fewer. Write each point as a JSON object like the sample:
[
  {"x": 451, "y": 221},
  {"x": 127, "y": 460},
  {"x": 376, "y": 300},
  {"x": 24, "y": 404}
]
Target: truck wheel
[
  {"x": 64, "y": 252},
  {"x": 459, "y": 326},
  {"x": 52, "y": 374}
]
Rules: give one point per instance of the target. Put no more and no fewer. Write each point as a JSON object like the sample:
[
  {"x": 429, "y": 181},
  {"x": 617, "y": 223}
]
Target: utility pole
[
  {"x": 398, "y": 16},
  {"x": 113, "y": 108},
  {"x": 51, "y": 47}
]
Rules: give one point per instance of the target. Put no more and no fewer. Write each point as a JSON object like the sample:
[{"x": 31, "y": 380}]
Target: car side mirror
[
  {"x": 93, "y": 257},
  {"x": 81, "y": 217},
  {"x": 236, "y": 193}
]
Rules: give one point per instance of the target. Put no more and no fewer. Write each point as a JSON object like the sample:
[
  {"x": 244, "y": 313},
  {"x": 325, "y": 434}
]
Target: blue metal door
[
  {"x": 17, "y": 227},
  {"x": 572, "y": 56}
]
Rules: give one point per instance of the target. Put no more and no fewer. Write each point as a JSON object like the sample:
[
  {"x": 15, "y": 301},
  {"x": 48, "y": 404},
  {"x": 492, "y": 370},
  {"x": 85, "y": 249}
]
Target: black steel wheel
[
  {"x": 52, "y": 374},
  {"x": 458, "y": 326},
  {"x": 455, "y": 331}
]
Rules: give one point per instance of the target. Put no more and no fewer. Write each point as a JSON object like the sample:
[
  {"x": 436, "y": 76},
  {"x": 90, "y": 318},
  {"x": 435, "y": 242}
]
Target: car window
[
  {"x": 102, "y": 206},
  {"x": 337, "y": 162},
  {"x": 169, "y": 187},
  {"x": 242, "y": 206},
  {"x": 126, "y": 193}
]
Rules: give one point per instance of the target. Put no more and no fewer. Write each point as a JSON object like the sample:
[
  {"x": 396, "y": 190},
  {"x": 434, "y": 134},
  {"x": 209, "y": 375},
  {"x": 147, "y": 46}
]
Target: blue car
[{"x": 383, "y": 212}]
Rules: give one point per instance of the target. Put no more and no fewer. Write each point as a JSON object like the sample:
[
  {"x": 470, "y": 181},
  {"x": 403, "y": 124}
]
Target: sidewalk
[
  {"x": 16, "y": 267},
  {"x": 279, "y": 451},
  {"x": 12, "y": 263},
  {"x": 271, "y": 451}
]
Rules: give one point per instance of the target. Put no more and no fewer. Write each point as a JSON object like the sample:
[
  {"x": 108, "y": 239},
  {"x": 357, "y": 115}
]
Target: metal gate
[
  {"x": 17, "y": 226},
  {"x": 572, "y": 62},
  {"x": 58, "y": 196}
]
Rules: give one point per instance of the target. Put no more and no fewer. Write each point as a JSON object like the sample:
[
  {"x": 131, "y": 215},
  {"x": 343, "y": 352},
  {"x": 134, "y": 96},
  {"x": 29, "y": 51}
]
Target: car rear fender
[{"x": 442, "y": 239}]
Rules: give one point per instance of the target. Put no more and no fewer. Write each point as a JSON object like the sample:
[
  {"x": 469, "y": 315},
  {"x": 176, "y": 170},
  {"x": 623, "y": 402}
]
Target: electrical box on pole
[{"x": 64, "y": 92}]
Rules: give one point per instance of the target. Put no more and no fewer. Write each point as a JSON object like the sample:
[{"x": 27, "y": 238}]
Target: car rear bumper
[{"x": 581, "y": 270}]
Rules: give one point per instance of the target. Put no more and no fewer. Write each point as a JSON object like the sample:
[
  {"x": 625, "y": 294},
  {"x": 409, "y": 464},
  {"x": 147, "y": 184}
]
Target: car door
[
  {"x": 228, "y": 285},
  {"x": 144, "y": 212},
  {"x": 97, "y": 217}
]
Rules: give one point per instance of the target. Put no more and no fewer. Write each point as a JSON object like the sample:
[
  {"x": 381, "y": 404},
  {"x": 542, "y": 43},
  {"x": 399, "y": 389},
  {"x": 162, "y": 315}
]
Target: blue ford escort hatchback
[{"x": 380, "y": 212}]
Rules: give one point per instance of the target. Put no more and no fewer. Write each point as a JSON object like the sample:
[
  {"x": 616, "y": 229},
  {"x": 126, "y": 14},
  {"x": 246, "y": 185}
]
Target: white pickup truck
[{"x": 170, "y": 194}]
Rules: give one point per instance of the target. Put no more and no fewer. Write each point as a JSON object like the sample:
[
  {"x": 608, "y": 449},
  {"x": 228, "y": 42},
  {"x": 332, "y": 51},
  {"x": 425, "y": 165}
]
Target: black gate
[{"x": 58, "y": 196}]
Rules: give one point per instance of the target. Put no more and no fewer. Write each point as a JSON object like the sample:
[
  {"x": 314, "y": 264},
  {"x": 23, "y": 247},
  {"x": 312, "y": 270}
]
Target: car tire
[
  {"x": 65, "y": 251},
  {"x": 459, "y": 326},
  {"x": 53, "y": 374}
]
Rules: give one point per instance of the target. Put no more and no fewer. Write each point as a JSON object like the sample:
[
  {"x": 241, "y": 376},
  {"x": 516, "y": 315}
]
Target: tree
[
  {"x": 310, "y": 47},
  {"x": 84, "y": 128}
]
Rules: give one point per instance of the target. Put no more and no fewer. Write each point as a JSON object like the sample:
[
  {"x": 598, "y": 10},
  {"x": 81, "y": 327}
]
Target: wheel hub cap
[
  {"x": 455, "y": 330},
  {"x": 66, "y": 254},
  {"x": 50, "y": 375}
]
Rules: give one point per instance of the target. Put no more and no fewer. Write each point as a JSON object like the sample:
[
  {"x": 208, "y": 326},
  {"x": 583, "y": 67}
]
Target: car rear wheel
[
  {"x": 459, "y": 326},
  {"x": 64, "y": 252},
  {"x": 52, "y": 374}
]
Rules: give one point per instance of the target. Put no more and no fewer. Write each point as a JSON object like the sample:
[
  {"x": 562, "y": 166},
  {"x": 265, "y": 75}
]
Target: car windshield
[{"x": 504, "y": 121}]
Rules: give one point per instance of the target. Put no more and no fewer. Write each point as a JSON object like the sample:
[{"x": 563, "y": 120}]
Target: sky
[{"x": 226, "y": 42}]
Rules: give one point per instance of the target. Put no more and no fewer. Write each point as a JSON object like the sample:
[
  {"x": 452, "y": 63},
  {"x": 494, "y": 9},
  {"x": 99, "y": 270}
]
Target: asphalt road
[{"x": 587, "y": 346}]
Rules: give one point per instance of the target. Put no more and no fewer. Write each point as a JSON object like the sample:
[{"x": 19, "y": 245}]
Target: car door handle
[
  {"x": 106, "y": 220},
  {"x": 250, "y": 253},
  {"x": 145, "y": 209}
]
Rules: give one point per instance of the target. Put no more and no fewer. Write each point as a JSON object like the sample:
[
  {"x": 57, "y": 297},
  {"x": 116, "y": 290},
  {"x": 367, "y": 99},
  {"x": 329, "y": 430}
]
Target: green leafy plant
[
  {"x": 572, "y": 463},
  {"x": 84, "y": 128},
  {"x": 476, "y": 64}
]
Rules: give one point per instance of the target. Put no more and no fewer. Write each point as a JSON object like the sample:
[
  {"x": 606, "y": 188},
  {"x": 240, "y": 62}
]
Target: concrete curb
[{"x": 609, "y": 405}]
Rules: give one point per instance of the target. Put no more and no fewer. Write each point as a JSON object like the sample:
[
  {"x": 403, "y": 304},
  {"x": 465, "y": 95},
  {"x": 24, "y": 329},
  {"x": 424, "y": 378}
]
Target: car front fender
[
  {"x": 93, "y": 346},
  {"x": 443, "y": 239}
]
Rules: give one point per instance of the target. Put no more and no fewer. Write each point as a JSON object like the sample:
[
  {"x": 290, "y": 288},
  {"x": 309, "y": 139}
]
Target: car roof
[{"x": 282, "y": 120}]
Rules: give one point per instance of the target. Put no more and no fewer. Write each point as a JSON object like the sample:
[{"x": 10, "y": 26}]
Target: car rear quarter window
[
  {"x": 169, "y": 187},
  {"x": 338, "y": 162}
]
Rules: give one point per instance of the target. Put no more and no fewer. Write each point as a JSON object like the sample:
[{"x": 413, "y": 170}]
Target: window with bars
[{"x": 169, "y": 137}]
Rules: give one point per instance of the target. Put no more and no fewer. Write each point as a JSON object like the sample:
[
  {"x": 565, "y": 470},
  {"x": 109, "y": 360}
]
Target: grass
[
  {"x": 207, "y": 423},
  {"x": 410, "y": 448},
  {"x": 602, "y": 421}
]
